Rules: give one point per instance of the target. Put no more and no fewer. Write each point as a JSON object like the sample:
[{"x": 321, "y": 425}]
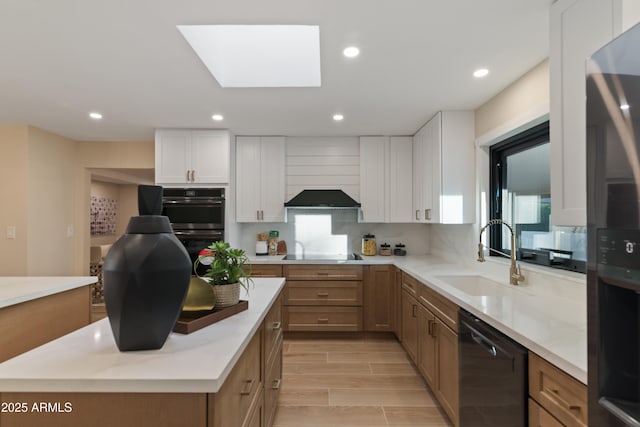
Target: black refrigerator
[{"x": 613, "y": 232}]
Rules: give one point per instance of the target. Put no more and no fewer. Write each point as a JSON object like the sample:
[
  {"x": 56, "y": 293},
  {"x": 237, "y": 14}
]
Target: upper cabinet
[
  {"x": 444, "y": 169},
  {"x": 192, "y": 157},
  {"x": 386, "y": 179},
  {"x": 260, "y": 178},
  {"x": 577, "y": 29}
]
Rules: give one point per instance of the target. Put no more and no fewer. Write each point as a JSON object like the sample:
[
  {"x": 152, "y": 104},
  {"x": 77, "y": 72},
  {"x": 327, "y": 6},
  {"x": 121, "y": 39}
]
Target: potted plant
[{"x": 228, "y": 270}]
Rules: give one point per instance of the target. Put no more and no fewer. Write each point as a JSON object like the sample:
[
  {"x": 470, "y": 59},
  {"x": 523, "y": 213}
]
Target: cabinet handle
[
  {"x": 417, "y": 214},
  {"x": 427, "y": 214},
  {"x": 434, "y": 329},
  {"x": 188, "y": 176},
  {"x": 562, "y": 401},
  {"x": 322, "y": 273},
  {"x": 276, "y": 384},
  {"x": 430, "y": 327},
  {"x": 262, "y": 215},
  {"x": 193, "y": 175},
  {"x": 277, "y": 325},
  {"x": 257, "y": 215},
  {"x": 414, "y": 308},
  {"x": 246, "y": 390},
  {"x": 323, "y": 320},
  {"x": 323, "y": 294}
]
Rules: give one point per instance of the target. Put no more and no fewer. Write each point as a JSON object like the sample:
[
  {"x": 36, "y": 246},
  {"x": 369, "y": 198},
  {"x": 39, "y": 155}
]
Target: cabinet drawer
[
  {"x": 560, "y": 394},
  {"x": 233, "y": 402},
  {"x": 323, "y": 293},
  {"x": 323, "y": 318},
  {"x": 538, "y": 417},
  {"x": 273, "y": 329},
  {"x": 273, "y": 381},
  {"x": 410, "y": 284},
  {"x": 440, "y": 306},
  {"x": 266, "y": 270},
  {"x": 323, "y": 272}
]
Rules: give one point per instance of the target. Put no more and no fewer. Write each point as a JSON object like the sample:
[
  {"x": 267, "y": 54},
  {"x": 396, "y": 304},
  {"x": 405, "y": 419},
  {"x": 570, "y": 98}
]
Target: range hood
[{"x": 330, "y": 199}]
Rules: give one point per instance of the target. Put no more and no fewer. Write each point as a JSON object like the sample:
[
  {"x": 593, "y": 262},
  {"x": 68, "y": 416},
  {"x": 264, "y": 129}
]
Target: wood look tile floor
[{"x": 366, "y": 381}]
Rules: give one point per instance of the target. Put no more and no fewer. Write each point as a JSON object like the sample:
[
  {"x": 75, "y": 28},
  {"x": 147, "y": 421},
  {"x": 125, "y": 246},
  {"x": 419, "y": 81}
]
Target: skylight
[{"x": 258, "y": 55}]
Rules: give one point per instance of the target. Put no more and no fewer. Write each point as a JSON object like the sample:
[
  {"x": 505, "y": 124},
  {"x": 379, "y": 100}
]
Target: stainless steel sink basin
[{"x": 475, "y": 285}]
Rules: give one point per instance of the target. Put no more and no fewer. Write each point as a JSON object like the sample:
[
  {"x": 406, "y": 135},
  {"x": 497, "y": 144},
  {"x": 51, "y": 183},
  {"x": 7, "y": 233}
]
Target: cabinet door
[
  {"x": 379, "y": 298},
  {"x": 372, "y": 178},
  {"x": 418, "y": 175},
  {"x": 248, "y": 179},
  {"x": 427, "y": 346},
  {"x": 272, "y": 181},
  {"x": 432, "y": 170},
  {"x": 577, "y": 29},
  {"x": 173, "y": 156},
  {"x": 447, "y": 369},
  {"x": 410, "y": 325},
  {"x": 210, "y": 156},
  {"x": 400, "y": 200}
]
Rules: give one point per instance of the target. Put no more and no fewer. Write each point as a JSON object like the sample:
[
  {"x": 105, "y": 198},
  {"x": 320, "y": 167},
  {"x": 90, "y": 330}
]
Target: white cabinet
[
  {"x": 372, "y": 178},
  {"x": 192, "y": 157},
  {"x": 386, "y": 179},
  {"x": 260, "y": 178},
  {"x": 577, "y": 29},
  {"x": 444, "y": 169}
]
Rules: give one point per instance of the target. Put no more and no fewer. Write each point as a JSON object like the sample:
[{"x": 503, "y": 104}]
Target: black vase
[{"x": 145, "y": 277}]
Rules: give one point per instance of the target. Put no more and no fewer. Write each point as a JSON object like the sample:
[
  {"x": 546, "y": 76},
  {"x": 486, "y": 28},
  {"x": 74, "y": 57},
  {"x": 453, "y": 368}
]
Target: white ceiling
[{"x": 126, "y": 59}]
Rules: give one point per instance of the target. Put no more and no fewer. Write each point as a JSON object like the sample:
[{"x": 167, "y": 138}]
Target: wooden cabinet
[
  {"x": 21, "y": 330},
  {"x": 444, "y": 170},
  {"x": 266, "y": 270},
  {"x": 260, "y": 179},
  {"x": 192, "y": 157},
  {"x": 386, "y": 179},
  {"x": 438, "y": 348},
  {"x": 397, "y": 329},
  {"x": 538, "y": 417},
  {"x": 273, "y": 361},
  {"x": 232, "y": 404},
  {"x": 409, "y": 315},
  {"x": 323, "y": 297},
  {"x": 429, "y": 335},
  {"x": 380, "y": 298},
  {"x": 559, "y": 394}
]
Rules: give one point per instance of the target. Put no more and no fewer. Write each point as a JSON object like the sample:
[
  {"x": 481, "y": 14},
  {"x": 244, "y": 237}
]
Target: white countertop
[
  {"x": 88, "y": 359},
  {"x": 14, "y": 290},
  {"x": 551, "y": 321}
]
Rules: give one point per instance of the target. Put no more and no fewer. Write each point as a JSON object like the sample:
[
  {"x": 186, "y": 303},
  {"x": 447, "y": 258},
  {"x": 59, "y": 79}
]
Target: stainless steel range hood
[{"x": 328, "y": 199}]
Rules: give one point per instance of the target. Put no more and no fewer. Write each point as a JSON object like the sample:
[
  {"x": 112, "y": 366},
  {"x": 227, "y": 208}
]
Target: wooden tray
[{"x": 191, "y": 322}]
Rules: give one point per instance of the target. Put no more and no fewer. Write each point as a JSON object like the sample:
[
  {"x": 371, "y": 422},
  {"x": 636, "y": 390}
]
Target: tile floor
[{"x": 364, "y": 381}]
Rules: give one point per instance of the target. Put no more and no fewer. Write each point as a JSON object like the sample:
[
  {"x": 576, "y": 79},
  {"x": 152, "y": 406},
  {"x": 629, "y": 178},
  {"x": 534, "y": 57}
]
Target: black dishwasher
[{"x": 493, "y": 376}]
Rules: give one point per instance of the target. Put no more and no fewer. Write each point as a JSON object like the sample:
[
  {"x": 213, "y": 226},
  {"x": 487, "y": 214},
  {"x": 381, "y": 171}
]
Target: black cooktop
[{"x": 324, "y": 257}]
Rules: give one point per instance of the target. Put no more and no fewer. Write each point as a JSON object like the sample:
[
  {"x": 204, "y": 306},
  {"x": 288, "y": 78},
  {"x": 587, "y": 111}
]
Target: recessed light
[
  {"x": 480, "y": 72},
  {"x": 95, "y": 116},
  {"x": 217, "y": 117},
  {"x": 351, "y": 52},
  {"x": 338, "y": 117},
  {"x": 624, "y": 107}
]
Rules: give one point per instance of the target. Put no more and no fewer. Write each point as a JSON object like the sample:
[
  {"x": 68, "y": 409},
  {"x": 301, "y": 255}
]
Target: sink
[{"x": 475, "y": 285}]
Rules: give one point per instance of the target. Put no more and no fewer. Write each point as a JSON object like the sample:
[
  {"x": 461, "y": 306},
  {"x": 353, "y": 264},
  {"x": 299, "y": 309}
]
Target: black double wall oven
[{"x": 197, "y": 216}]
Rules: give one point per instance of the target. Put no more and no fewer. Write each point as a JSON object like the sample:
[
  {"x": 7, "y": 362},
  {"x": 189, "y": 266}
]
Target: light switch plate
[{"x": 11, "y": 232}]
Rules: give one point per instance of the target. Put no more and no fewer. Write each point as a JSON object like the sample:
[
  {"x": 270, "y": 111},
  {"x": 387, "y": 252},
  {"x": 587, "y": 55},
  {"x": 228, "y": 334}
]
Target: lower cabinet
[
  {"x": 379, "y": 298},
  {"x": 324, "y": 298},
  {"x": 429, "y": 335},
  {"x": 557, "y": 398},
  {"x": 266, "y": 270}
]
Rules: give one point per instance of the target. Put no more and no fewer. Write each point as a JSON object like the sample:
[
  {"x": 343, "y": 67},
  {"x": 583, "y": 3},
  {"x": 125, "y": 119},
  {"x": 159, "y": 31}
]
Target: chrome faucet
[{"x": 515, "y": 275}]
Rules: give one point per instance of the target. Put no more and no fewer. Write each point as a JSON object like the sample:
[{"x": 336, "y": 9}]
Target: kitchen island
[
  {"x": 83, "y": 379},
  {"x": 35, "y": 310}
]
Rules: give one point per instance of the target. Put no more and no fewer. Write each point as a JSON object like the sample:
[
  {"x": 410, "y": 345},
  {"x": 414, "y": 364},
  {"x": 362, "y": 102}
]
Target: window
[{"x": 521, "y": 196}]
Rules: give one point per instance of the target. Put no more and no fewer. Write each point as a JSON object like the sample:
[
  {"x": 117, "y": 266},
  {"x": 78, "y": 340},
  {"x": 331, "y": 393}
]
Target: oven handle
[
  {"x": 194, "y": 201},
  {"x": 200, "y": 235}
]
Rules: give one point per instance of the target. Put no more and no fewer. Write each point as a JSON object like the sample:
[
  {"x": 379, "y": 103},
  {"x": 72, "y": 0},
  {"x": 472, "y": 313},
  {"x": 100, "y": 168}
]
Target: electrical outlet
[
  {"x": 69, "y": 230},
  {"x": 11, "y": 232}
]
